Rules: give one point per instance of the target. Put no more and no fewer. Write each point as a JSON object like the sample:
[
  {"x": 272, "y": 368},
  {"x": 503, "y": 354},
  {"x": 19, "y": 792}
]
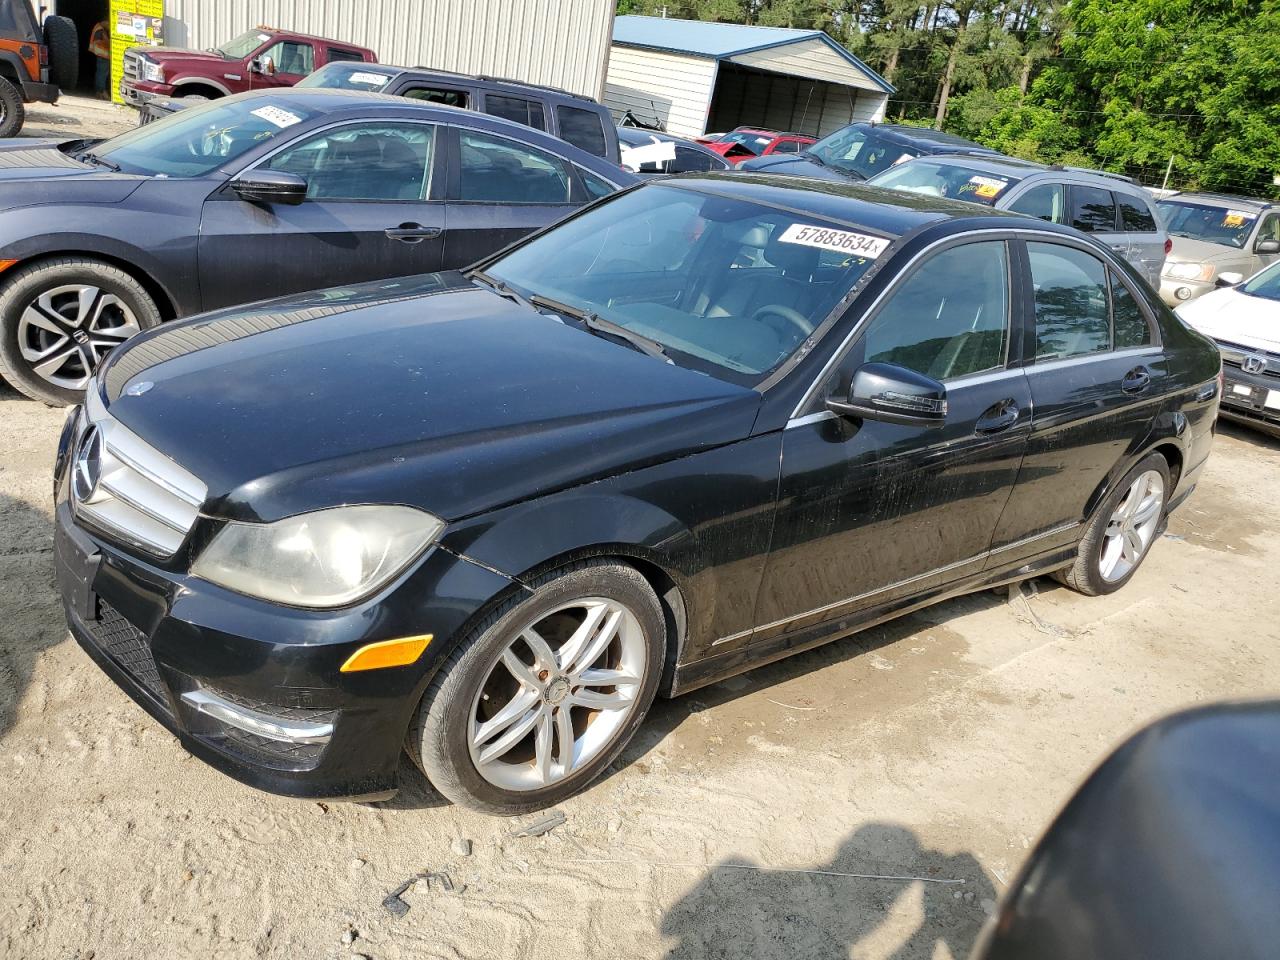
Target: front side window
[
  {"x": 518, "y": 109},
  {"x": 1045, "y": 202},
  {"x": 1135, "y": 215},
  {"x": 950, "y": 318},
  {"x": 1129, "y": 322},
  {"x": 497, "y": 170},
  {"x": 1072, "y": 316},
  {"x": 1093, "y": 210},
  {"x": 1270, "y": 228},
  {"x": 1212, "y": 224},
  {"x": 729, "y": 287},
  {"x": 787, "y": 146},
  {"x": 291, "y": 57},
  {"x": 940, "y": 179},
  {"x": 386, "y": 161},
  {"x": 442, "y": 95},
  {"x": 582, "y": 128},
  {"x": 199, "y": 140}
]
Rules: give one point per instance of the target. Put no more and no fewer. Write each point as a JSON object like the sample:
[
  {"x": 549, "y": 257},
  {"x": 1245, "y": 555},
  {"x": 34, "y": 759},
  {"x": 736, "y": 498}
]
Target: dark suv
[{"x": 573, "y": 118}]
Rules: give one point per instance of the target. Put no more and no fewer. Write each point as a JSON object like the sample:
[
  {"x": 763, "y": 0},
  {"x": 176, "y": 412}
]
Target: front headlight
[
  {"x": 152, "y": 71},
  {"x": 1203, "y": 272},
  {"x": 324, "y": 559}
]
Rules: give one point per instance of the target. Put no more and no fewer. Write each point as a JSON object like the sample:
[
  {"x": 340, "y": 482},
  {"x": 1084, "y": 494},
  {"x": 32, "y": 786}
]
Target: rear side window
[
  {"x": 1130, "y": 323},
  {"x": 497, "y": 170},
  {"x": 787, "y": 146},
  {"x": 1045, "y": 202},
  {"x": 442, "y": 95},
  {"x": 691, "y": 161},
  {"x": 595, "y": 186},
  {"x": 338, "y": 54},
  {"x": 528, "y": 112},
  {"x": 582, "y": 128},
  {"x": 1072, "y": 316},
  {"x": 1093, "y": 209},
  {"x": 948, "y": 319},
  {"x": 1135, "y": 215}
]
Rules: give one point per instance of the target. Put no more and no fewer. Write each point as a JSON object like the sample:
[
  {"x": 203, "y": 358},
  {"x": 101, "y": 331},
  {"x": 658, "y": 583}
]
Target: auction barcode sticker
[
  {"x": 280, "y": 117},
  {"x": 364, "y": 76},
  {"x": 839, "y": 240}
]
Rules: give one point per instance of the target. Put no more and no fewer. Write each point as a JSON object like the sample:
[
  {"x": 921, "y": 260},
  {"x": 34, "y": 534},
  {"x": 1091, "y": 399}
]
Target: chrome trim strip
[
  {"x": 256, "y": 722},
  {"x": 1061, "y": 528},
  {"x": 1092, "y": 358}
]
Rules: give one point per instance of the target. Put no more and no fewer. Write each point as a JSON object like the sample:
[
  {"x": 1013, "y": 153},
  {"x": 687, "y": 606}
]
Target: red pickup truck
[{"x": 257, "y": 59}]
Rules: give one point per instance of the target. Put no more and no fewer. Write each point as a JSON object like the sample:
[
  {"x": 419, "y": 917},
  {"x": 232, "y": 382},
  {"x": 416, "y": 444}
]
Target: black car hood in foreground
[
  {"x": 430, "y": 391},
  {"x": 800, "y": 165}
]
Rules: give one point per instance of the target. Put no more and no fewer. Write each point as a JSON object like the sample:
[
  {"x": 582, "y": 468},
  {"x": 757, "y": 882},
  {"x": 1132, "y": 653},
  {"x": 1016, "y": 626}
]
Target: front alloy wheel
[{"x": 65, "y": 332}]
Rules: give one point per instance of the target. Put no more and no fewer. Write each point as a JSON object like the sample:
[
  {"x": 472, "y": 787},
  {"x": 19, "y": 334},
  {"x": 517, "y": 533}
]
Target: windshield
[
  {"x": 243, "y": 45},
  {"x": 755, "y": 142},
  {"x": 934, "y": 179},
  {"x": 196, "y": 141},
  {"x": 860, "y": 150},
  {"x": 1265, "y": 284},
  {"x": 346, "y": 76},
  {"x": 1208, "y": 223},
  {"x": 728, "y": 287}
]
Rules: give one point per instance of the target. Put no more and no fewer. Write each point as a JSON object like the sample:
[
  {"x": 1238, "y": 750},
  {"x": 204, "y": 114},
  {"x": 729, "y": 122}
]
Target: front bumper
[
  {"x": 137, "y": 92},
  {"x": 195, "y": 656},
  {"x": 1251, "y": 398}
]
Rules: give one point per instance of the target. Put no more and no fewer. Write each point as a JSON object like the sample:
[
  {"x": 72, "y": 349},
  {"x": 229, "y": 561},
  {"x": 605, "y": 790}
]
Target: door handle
[
  {"x": 412, "y": 233},
  {"x": 998, "y": 417},
  {"x": 1136, "y": 380}
]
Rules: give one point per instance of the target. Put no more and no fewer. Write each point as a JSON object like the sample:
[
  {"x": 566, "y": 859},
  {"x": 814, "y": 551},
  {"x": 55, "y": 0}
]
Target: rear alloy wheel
[
  {"x": 12, "y": 113},
  {"x": 535, "y": 704},
  {"x": 1122, "y": 531},
  {"x": 59, "y": 319}
]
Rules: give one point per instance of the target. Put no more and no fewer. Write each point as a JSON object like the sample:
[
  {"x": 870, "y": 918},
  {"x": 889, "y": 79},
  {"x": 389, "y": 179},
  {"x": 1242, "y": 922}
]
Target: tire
[
  {"x": 12, "y": 113},
  {"x": 476, "y": 675},
  {"x": 1091, "y": 574},
  {"x": 195, "y": 97},
  {"x": 64, "y": 51},
  {"x": 64, "y": 324}
]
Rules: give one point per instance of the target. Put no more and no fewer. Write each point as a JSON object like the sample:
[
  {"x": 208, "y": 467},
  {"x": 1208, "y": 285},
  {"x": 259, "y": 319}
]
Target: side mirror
[
  {"x": 263, "y": 65},
  {"x": 270, "y": 186},
  {"x": 1267, "y": 246},
  {"x": 894, "y": 394},
  {"x": 1229, "y": 279}
]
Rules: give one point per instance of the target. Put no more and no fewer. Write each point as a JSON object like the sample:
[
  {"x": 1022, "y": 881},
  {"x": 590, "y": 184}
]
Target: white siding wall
[
  {"x": 564, "y": 43},
  {"x": 755, "y": 98},
  {"x": 677, "y": 89},
  {"x": 813, "y": 59}
]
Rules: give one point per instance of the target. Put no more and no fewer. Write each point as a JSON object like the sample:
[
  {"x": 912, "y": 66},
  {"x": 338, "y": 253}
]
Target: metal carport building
[{"x": 697, "y": 77}]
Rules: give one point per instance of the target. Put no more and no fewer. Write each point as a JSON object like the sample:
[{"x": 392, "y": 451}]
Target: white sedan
[{"x": 1244, "y": 321}]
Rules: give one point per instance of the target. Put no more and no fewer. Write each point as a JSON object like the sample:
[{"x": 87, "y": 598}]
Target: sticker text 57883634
[{"x": 843, "y": 241}]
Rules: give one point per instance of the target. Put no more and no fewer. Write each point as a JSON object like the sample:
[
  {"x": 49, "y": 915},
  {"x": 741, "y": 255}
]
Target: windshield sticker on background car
[
  {"x": 1236, "y": 218},
  {"x": 842, "y": 241},
  {"x": 985, "y": 187},
  {"x": 279, "y": 116},
  {"x": 363, "y": 76}
]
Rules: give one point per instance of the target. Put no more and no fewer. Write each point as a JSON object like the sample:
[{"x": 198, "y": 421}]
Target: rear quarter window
[
  {"x": 1135, "y": 215},
  {"x": 519, "y": 109},
  {"x": 582, "y": 128},
  {"x": 1093, "y": 209}
]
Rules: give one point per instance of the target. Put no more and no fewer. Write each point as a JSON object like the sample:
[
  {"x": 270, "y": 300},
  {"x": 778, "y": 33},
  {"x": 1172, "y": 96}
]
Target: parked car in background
[
  {"x": 250, "y": 197},
  {"x": 488, "y": 517},
  {"x": 1215, "y": 234},
  {"x": 1115, "y": 209},
  {"x": 862, "y": 150},
  {"x": 575, "y": 119},
  {"x": 650, "y": 153},
  {"x": 35, "y": 61},
  {"x": 744, "y": 143},
  {"x": 1243, "y": 319},
  {"x": 259, "y": 59}
]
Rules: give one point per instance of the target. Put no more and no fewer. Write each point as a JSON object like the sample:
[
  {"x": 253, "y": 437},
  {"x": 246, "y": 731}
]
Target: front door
[
  {"x": 1095, "y": 388},
  {"x": 869, "y": 511},
  {"x": 504, "y": 190},
  {"x": 369, "y": 214}
]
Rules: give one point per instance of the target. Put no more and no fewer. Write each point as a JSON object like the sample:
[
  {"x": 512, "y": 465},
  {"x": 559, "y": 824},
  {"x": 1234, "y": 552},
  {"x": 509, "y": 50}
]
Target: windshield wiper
[
  {"x": 816, "y": 159},
  {"x": 88, "y": 157},
  {"x": 595, "y": 323},
  {"x": 499, "y": 287}
]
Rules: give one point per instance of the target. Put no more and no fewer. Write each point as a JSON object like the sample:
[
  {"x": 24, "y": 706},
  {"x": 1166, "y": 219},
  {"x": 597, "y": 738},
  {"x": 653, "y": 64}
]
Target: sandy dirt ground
[
  {"x": 934, "y": 748},
  {"x": 76, "y": 116}
]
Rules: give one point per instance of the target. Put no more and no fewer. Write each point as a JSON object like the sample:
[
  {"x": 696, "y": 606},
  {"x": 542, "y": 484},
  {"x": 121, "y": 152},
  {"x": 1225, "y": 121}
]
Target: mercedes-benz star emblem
[
  {"x": 1253, "y": 363},
  {"x": 88, "y": 466},
  {"x": 139, "y": 388}
]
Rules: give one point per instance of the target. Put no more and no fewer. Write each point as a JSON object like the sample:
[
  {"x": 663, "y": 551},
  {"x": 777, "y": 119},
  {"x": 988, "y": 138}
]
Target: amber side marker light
[
  {"x": 387, "y": 653},
  {"x": 6, "y": 264}
]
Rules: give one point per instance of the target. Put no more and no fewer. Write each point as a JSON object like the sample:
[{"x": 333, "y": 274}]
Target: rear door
[
  {"x": 1096, "y": 387},
  {"x": 501, "y": 189},
  {"x": 374, "y": 210},
  {"x": 1092, "y": 209}
]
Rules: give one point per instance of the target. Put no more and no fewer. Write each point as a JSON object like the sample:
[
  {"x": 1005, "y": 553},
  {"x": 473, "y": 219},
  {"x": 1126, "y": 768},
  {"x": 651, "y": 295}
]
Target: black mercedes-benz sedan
[
  {"x": 702, "y": 424},
  {"x": 252, "y": 196}
]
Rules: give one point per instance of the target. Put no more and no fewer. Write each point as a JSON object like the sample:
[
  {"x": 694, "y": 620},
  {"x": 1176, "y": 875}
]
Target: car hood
[
  {"x": 1186, "y": 250},
  {"x": 1233, "y": 317},
  {"x": 798, "y": 164},
  {"x": 179, "y": 55},
  {"x": 29, "y": 170},
  {"x": 430, "y": 391}
]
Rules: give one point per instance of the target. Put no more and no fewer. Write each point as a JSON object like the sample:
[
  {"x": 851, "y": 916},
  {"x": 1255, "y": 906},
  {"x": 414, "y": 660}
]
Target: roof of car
[
  {"x": 891, "y": 212},
  {"x": 926, "y": 135},
  {"x": 1023, "y": 169},
  {"x": 1223, "y": 200},
  {"x": 390, "y": 70}
]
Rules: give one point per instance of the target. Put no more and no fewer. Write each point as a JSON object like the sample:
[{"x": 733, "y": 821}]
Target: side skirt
[{"x": 700, "y": 673}]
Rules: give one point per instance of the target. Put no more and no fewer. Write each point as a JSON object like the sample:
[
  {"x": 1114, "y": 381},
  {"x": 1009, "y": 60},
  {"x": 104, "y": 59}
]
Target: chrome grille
[
  {"x": 130, "y": 65},
  {"x": 1234, "y": 354},
  {"x": 129, "y": 489}
]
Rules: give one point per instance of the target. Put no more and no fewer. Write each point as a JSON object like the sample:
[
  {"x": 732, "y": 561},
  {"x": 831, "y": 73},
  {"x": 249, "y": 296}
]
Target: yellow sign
[{"x": 132, "y": 23}]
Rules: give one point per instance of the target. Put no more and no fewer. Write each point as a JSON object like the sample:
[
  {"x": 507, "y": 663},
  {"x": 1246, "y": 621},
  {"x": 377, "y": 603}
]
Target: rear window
[
  {"x": 337, "y": 54},
  {"x": 528, "y": 112},
  {"x": 1135, "y": 215},
  {"x": 1093, "y": 209},
  {"x": 582, "y": 128}
]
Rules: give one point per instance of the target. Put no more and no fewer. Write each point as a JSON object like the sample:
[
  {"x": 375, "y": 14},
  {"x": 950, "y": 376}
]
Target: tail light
[
  {"x": 44, "y": 55},
  {"x": 1168, "y": 245}
]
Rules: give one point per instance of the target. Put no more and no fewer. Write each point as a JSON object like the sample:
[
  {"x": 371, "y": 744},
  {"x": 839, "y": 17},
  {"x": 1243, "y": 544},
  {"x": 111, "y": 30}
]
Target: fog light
[{"x": 1183, "y": 293}]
